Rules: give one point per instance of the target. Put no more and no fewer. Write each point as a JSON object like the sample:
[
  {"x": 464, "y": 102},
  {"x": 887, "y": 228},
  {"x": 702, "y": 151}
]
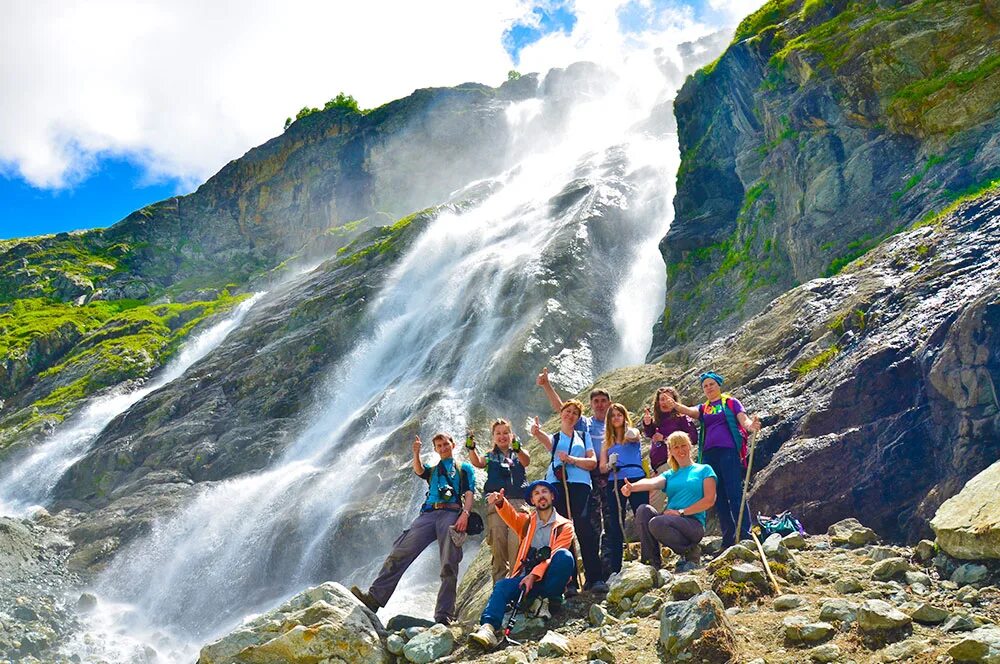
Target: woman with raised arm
[
  {"x": 721, "y": 442},
  {"x": 621, "y": 460},
  {"x": 573, "y": 457},
  {"x": 505, "y": 468},
  {"x": 657, "y": 426},
  {"x": 690, "y": 489}
]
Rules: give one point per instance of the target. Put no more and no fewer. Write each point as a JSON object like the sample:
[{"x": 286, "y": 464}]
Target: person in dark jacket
[{"x": 658, "y": 425}]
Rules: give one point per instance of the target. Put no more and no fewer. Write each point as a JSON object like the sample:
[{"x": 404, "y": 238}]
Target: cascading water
[
  {"x": 473, "y": 290},
  {"x": 28, "y": 481}
]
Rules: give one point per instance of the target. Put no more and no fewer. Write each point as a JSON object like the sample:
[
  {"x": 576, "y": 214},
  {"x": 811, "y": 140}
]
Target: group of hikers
[{"x": 595, "y": 473}]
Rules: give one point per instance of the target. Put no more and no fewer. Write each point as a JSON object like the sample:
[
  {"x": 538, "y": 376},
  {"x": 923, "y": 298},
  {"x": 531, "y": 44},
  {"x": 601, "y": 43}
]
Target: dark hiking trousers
[
  {"x": 426, "y": 528},
  {"x": 579, "y": 500},
  {"x": 613, "y": 534},
  {"x": 678, "y": 533},
  {"x": 725, "y": 461}
]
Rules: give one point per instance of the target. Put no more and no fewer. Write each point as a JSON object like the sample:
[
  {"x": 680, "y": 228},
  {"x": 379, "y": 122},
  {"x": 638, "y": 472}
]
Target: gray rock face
[
  {"x": 967, "y": 525},
  {"x": 322, "y": 622},
  {"x": 683, "y": 623}
]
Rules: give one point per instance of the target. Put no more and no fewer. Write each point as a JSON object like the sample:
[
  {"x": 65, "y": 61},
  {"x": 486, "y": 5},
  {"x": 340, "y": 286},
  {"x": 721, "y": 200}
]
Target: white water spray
[{"x": 27, "y": 481}]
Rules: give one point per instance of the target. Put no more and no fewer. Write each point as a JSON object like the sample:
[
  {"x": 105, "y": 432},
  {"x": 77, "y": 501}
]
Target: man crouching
[{"x": 543, "y": 576}]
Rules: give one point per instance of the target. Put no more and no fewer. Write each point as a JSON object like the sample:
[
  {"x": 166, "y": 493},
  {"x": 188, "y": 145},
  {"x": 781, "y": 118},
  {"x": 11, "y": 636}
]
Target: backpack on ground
[{"x": 782, "y": 524}]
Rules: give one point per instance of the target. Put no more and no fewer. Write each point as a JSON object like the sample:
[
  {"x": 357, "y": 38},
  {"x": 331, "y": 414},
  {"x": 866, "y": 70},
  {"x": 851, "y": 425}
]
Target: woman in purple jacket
[{"x": 658, "y": 426}]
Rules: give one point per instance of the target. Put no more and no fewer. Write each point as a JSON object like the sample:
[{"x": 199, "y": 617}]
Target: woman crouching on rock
[
  {"x": 690, "y": 489},
  {"x": 657, "y": 426},
  {"x": 505, "y": 468},
  {"x": 621, "y": 459},
  {"x": 723, "y": 447}
]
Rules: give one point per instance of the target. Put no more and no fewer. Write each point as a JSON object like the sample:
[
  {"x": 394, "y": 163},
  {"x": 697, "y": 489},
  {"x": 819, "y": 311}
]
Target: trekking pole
[
  {"x": 746, "y": 484},
  {"x": 510, "y": 620},
  {"x": 620, "y": 508}
]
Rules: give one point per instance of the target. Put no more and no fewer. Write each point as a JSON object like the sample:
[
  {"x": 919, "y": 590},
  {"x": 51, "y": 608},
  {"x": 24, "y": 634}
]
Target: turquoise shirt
[
  {"x": 578, "y": 447},
  {"x": 686, "y": 486}
]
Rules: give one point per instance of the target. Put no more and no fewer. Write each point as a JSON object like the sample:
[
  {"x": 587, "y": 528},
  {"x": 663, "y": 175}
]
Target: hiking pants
[
  {"x": 612, "y": 528},
  {"x": 502, "y": 540},
  {"x": 678, "y": 533},
  {"x": 600, "y": 516},
  {"x": 579, "y": 501},
  {"x": 725, "y": 461},
  {"x": 551, "y": 586},
  {"x": 426, "y": 528}
]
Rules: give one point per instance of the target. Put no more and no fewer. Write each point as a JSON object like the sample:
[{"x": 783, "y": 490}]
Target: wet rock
[
  {"x": 86, "y": 603},
  {"x": 683, "y": 623},
  {"x": 553, "y": 644},
  {"x": 850, "y": 532},
  {"x": 890, "y": 568},
  {"x": 981, "y": 645},
  {"x": 634, "y": 578},
  {"x": 967, "y": 525},
  {"x": 970, "y": 574},
  {"x": 432, "y": 643},
  {"x": 839, "y": 609}
]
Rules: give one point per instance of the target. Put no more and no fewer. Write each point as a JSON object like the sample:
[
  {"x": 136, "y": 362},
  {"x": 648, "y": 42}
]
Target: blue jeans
[
  {"x": 550, "y": 586},
  {"x": 725, "y": 461}
]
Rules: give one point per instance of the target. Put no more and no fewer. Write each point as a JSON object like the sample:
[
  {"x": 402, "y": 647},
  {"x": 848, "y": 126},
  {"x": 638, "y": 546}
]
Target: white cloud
[{"x": 183, "y": 86}]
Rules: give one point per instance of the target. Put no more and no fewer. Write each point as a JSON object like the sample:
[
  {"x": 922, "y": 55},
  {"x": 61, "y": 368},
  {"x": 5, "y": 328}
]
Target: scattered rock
[
  {"x": 840, "y": 610},
  {"x": 850, "y": 532},
  {"x": 597, "y": 615},
  {"x": 890, "y": 568},
  {"x": 432, "y": 643},
  {"x": 876, "y": 614},
  {"x": 828, "y": 652},
  {"x": 749, "y": 573},
  {"x": 904, "y": 650},
  {"x": 967, "y": 525},
  {"x": 799, "y": 630},
  {"x": 970, "y": 574},
  {"x": 788, "y": 602},
  {"x": 924, "y": 551},
  {"x": 917, "y": 578},
  {"x": 395, "y": 644},
  {"x": 879, "y": 553},
  {"x": 967, "y": 595},
  {"x": 982, "y": 645},
  {"x": 794, "y": 541},
  {"x": 516, "y": 657},
  {"x": 633, "y": 579},
  {"x": 733, "y": 555},
  {"x": 961, "y": 622},
  {"x": 403, "y": 621},
  {"x": 600, "y": 652},
  {"x": 848, "y": 585},
  {"x": 647, "y": 605},
  {"x": 684, "y": 623},
  {"x": 553, "y": 644},
  {"x": 775, "y": 549},
  {"x": 685, "y": 587},
  {"x": 928, "y": 614},
  {"x": 665, "y": 578}
]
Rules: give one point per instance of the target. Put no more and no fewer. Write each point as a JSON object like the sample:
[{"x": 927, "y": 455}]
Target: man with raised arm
[
  {"x": 450, "y": 492},
  {"x": 544, "y": 562},
  {"x": 598, "y": 511}
]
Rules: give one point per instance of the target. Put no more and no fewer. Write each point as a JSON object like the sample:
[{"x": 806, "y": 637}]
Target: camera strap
[{"x": 449, "y": 478}]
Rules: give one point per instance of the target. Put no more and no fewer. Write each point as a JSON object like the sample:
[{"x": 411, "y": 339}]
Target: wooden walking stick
[
  {"x": 746, "y": 484},
  {"x": 569, "y": 515}
]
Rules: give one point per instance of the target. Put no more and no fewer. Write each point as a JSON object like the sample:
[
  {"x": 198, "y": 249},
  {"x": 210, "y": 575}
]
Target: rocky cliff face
[{"x": 827, "y": 126}]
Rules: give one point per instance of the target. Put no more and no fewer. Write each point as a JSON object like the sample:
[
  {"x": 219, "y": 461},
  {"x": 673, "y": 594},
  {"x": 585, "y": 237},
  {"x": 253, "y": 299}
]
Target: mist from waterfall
[
  {"x": 27, "y": 480},
  {"x": 432, "y": 337}
]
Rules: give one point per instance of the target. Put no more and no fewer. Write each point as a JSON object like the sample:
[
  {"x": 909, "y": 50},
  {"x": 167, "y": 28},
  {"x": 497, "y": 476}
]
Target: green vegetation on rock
[{"x": 342, "y": 101}]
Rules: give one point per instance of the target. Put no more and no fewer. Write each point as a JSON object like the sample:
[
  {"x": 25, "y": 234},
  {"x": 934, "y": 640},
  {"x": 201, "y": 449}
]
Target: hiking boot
[
  {"x": 485, "y": 636},
  {"x": 366, "y": 599},
  {"x": 685, "y": 566},
  {"x": 572, "y": 591},
  {"x": 693, "y": 554},
  {"x": 555, "y": 606},
  {"x": 599, "y": 588},
  {"x": 543, "y": 610}
]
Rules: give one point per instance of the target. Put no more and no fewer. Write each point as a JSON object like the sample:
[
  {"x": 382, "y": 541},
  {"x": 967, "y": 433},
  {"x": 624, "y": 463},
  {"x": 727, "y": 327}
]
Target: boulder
[
  {"x": 685, "y": 587},
  {"x": 879, "y": 553},
  {"x": 848, "y": 585},
  {"x": 788, "y": 602},
  {"x": 980, "y": 645},
  {"x": 733, "y": 555},
  {"x": 634, "y": 579},
  {"x": 961, "y": 622},
  {"x": 925, "y": 550},
  {"x": 794, "y": 541},
  {"x": 799, "y": 630},
  {"x": 600, "y": 652},
  {"x": 927, "y": 614},
  {"x": 775, "y": 549},
  {"x": 828, "y": 652},
  {"x": 597, "y": 615},
  {"x": 395, "y": 644},
  {"x": 904, "y": 651},
  {"x": 553, "y": 644},
  {"x": 403, "y": 621},
  {"x": 967, "y": 525},
  {"x": 850, "y": 533},
  {"x": 322, "y": 622},
  {"x": 917, "y": 578},
  {"x": 683, "y": 623},
  {"x": 749, "y": 573},
  {"x": 890, "y": 568},
  {"x": 647, "y": 605},
  {"x": 430, "y": 644}
]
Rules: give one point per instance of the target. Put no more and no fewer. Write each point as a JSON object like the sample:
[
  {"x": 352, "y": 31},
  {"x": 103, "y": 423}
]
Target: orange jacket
[{"x": 524, "y": 525}]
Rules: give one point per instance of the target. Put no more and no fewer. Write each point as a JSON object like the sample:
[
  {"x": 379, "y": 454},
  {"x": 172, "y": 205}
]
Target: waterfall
[
  {"x": 474, "y": 289},
  {"x": 27, "y": 481}
]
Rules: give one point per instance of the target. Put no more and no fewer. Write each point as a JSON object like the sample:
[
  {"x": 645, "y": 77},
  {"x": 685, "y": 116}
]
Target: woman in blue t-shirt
[
  {"x": 690, "y": 489},
  {"x": 721, "y": 417},
  {"x": 621, "y": 459}
]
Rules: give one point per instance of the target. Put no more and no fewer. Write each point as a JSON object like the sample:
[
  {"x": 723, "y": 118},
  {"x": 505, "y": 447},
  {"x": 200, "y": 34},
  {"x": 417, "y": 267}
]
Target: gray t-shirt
[{"x": 543, "y": 532}]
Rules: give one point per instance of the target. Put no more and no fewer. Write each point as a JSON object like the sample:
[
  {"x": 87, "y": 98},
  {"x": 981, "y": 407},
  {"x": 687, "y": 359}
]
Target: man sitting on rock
[
  {"x": 539, "y": 572},
  {"x": 446, "y": 510}
]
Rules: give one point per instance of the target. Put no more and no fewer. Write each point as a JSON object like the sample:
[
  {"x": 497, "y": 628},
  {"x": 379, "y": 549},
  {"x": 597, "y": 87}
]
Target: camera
[
  {"x": 536, "y": 556},
  {"x": 446, "y": 493}
]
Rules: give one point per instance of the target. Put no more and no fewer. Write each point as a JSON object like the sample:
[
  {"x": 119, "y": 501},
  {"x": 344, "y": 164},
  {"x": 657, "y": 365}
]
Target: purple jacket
[{"x": 658, "y": 453}]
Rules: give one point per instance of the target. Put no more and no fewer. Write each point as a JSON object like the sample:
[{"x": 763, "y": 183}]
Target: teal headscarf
[{"x": 714, "y": 376}]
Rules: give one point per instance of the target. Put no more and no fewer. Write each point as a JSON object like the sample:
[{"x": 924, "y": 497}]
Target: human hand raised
[
  {"x": 495, "y": 498},
  {"x": 647, "y": 417},
  {"x": 543, "y": 378},
  {"x": 536, "y": 427},
  {"x": 626, "y": 488},
  {"x": 416, "y": 445}
]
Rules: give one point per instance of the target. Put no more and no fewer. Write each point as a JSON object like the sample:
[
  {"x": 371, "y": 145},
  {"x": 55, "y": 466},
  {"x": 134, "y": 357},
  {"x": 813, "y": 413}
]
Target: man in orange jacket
[{"x": 539, "y": 575}]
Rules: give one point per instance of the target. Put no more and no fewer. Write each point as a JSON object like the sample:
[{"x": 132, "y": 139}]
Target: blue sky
[{"x": 89, "y": 132}]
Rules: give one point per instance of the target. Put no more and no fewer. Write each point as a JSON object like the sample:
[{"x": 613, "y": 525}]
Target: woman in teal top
[{"x": 690, "y": 489}]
